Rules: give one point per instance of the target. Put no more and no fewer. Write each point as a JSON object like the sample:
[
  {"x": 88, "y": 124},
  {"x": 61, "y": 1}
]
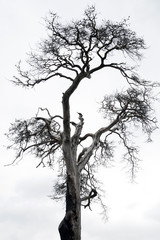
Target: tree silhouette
[{"x": 74, "y": 52}]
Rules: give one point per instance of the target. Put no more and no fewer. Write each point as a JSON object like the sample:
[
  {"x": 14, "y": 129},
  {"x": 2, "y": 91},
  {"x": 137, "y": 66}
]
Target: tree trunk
[{"x": 70, "y": 227}]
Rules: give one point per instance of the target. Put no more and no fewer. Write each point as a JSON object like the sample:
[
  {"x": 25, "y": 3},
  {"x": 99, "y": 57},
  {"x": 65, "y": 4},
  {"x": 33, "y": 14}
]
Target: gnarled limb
[{"x": 92, "y": 194}]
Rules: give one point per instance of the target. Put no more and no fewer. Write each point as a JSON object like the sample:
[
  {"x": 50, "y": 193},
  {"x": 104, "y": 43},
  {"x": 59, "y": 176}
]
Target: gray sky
[{"x": 26, "y": 211}]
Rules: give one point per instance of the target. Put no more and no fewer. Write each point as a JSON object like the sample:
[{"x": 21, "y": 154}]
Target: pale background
[{"x": 26, "y": 211}]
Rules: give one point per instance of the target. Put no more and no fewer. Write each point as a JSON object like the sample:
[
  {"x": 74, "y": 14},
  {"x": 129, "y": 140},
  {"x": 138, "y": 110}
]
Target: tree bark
[{"x": 70, "y": 227}]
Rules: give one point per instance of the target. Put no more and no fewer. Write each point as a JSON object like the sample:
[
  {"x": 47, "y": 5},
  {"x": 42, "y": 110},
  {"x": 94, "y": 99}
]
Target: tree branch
[{"x": 92, "y": 194}]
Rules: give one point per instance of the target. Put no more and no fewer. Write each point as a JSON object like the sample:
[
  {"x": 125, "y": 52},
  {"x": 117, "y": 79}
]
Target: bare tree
[{"x": 74, "y": 52}]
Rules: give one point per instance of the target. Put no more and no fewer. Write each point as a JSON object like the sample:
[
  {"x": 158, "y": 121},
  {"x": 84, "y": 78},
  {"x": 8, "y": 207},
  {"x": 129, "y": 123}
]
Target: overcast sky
[{"x": 26, "y": 211}]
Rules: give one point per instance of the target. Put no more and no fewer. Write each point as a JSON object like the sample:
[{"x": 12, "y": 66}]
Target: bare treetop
[{"x": 81, "y": 48}]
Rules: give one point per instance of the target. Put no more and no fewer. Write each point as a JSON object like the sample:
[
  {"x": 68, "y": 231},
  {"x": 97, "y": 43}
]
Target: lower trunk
[{"x": 70, "y": 227}]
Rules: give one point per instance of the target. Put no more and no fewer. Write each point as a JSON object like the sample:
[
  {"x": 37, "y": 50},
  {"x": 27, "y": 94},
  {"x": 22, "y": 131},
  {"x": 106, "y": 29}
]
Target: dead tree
[{"x": 74, "y": 52}]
